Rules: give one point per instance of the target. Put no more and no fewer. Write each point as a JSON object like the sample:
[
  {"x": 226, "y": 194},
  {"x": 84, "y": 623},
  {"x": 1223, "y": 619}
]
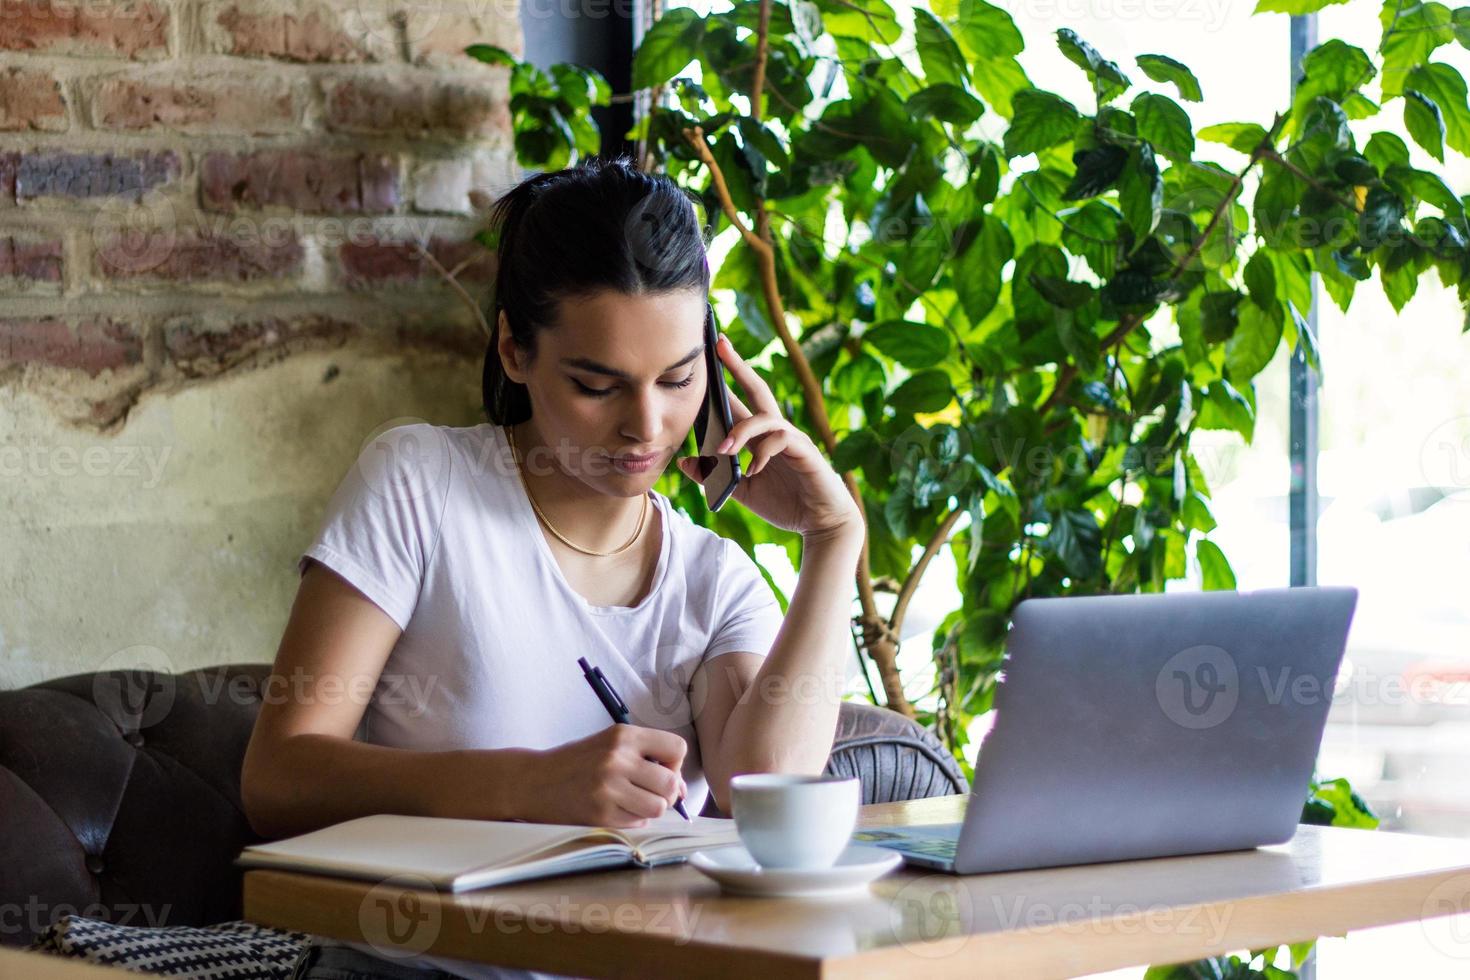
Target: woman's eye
[
  {"x": 602, "y": 392},
  {"x": 594, "y": 392}
]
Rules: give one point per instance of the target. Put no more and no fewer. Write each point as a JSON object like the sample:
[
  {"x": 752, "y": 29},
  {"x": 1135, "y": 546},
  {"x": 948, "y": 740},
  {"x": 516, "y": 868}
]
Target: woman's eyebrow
[{"x": 587, "y": 364}]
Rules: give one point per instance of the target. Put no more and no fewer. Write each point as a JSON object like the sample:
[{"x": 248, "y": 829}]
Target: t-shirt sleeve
[
  {"x": 382, "y": 523},
  {"x": 747, "y": 614}
]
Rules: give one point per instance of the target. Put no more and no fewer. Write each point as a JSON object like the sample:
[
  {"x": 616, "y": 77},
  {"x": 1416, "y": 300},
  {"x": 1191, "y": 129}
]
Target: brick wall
[
  {"x": 211, "y": 298},
  {"x": 198, "y": 187}
]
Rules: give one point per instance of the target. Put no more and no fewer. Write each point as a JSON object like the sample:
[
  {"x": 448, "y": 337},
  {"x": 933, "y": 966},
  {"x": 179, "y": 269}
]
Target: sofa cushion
[
  {"x": 227, "y": 951},
  {"x": 121, "y": 796}
]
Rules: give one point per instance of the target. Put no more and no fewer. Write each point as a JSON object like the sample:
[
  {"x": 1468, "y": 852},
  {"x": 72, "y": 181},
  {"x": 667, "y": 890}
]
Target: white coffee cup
[{"x": 794, "y": 821}]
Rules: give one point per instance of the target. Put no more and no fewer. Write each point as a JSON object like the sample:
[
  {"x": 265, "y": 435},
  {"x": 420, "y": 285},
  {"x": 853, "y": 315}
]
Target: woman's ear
[{"x": 510, "y": 352}]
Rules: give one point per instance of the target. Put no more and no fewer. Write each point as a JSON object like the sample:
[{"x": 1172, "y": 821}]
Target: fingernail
[{"x": 725, "y": 446}]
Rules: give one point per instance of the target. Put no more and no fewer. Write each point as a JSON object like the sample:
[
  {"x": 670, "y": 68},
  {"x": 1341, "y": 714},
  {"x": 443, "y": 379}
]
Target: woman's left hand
[{"x": 788, "y": 482}]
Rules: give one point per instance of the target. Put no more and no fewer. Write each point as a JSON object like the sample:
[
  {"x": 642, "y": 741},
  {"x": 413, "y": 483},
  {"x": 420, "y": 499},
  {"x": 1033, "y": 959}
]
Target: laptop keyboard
[{"x": 941, "y": 847}]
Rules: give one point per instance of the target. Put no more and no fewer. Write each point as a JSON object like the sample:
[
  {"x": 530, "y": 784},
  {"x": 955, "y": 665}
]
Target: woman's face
[{"x": 616, "y": 376}]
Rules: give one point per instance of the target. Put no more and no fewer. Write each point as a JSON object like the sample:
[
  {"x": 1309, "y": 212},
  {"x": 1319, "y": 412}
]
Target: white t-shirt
[{"x": 433, "y": 525}]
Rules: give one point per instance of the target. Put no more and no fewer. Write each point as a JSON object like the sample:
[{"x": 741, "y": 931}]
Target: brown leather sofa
[{"x": 120, "y": 792}]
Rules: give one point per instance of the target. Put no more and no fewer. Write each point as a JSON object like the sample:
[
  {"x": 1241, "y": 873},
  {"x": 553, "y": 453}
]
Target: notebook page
[{"x": 438, "y": 848}]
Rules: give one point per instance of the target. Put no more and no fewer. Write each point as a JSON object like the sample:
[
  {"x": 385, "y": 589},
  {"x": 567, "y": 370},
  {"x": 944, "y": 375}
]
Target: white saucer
[{"x": 737, "y": 872}]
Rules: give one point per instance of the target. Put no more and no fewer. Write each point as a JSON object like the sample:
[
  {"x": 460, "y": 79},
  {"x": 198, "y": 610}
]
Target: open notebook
[{"x": 460, "y": 855}]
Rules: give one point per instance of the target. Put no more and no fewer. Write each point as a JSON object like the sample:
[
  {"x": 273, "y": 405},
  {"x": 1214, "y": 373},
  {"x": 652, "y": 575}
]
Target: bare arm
[
  {"x": 303, "y": 769},
  {"x": 779, "y": 713}
]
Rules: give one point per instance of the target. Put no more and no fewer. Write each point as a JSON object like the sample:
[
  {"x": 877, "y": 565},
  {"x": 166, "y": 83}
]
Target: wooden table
[{"x": 674, "y": 922}]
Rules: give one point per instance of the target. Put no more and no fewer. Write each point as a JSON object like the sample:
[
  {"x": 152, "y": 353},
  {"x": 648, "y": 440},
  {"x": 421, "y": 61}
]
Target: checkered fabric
[{"x": 227, "y": 951}]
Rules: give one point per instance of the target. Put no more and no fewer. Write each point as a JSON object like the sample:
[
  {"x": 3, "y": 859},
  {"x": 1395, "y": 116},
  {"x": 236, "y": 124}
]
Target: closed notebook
[{"x": 460, "y": 855}]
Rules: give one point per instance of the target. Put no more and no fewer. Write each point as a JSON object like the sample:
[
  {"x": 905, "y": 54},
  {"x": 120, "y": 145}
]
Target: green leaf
[
  {"x": 1385, "y": 149},
  {"x": 1425, "y": 124},
  {"x": 1226, "y": 408},
  {"x": 914, "y": 345},
  {"x": 669, "y": 45},
  {"x": 1097, "y": 169},
  {"x": 1334, "y": 69},
  {"x": 987, "y": 31},
  {"x": 947, "y": 102},
  {"x": 1255, "y": 340},
  {"x": 1334, "y": 802},
  {"x": 1162, "y": 68},
  {"x": 858, "y": 377},
  {"x": 1415, "y": 31},
  {"x": 1260, "y": 279},
  {"x": 763, "y": 138},
  {"x": 999, "y": 80},
  {"x": 1141, "y": 192},
  {"x": 976, "y": 275},
  {"x": 1294, "y": 7},
  {"x": 1165, "y": 124},
  {"x": 1106, "y": 75},
  {"x": 867, "y": 20},
  {"x": 1383, "y": 214},
  {"x": 1446, "y": 88},
  {"x": 1241, "y": 137},
  {"x": 1040, "y": 120},
  {"x": 1214, "y": 567},
  {"x": 927, "y": 391},
  {"x": 491, "y": 55},
  {"x": 938, "y": 53}
]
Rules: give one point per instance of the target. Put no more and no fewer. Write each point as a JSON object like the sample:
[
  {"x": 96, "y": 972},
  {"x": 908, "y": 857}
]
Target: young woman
[{"x": 429, "y": 665}]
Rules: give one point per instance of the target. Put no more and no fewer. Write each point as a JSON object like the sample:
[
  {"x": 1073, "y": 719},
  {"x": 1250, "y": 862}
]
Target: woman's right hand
[{"x": 618, "y": 777}]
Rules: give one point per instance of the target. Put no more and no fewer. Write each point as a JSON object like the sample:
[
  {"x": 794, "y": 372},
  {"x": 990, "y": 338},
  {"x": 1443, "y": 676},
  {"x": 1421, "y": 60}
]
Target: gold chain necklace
[{"x": 643, "y": 516}]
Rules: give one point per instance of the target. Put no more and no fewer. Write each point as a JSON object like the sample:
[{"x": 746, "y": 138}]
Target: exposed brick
[
  {"x": 437, "y": 38},
  {"x": 31, "y": 100},
  {"x": 9, "y": 162},
  {"x": 97, "y": 27},
  {"x": 81, "y": 175},
  {"x": 300, "y": 180},
  {"x": 236, "y": 106},
  {"x": 198, "y": 349},
  {"x": 465, "y": 184},
  {"x": 38, "y": 261},
  {"x": 373, "y": 106},
  {"x": 369, "y": 264},
  {"x": 93, "y": 344},
  {"x": 314, "y": 34},
  {"x": 443, "y": 186},
  {"x": 189, "y": 255}
]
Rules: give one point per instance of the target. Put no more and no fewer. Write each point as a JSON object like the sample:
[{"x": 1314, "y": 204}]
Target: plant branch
[
  {"x": 881, "y": 644},
  {"x": 454, "y": 285}
]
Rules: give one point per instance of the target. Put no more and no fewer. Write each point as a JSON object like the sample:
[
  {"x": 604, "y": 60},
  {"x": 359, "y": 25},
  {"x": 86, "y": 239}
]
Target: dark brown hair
[{"x": 602, "y": 224}]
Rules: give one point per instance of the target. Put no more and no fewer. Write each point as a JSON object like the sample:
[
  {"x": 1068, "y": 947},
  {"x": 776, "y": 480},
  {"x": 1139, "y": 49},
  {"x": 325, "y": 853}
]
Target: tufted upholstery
[{"x": 120, "y": 792}]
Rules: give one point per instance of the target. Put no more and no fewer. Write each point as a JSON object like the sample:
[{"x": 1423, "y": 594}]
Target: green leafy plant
[{"x": 1006, "y": 316}]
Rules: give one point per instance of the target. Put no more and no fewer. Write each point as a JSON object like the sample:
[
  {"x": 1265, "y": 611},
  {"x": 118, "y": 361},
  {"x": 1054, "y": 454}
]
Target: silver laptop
[{"x": 1141, "y": 726}]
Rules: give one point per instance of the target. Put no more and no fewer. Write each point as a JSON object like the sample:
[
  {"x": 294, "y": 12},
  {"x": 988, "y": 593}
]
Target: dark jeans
[{"x": 344, "y": 963}]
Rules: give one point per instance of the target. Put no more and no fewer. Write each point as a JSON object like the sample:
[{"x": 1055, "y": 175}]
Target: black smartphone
[{"x": 719, "y": 473}]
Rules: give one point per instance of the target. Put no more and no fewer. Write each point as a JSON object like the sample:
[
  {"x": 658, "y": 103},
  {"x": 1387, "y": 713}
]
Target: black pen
[{"x": 615, "y": 707}]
